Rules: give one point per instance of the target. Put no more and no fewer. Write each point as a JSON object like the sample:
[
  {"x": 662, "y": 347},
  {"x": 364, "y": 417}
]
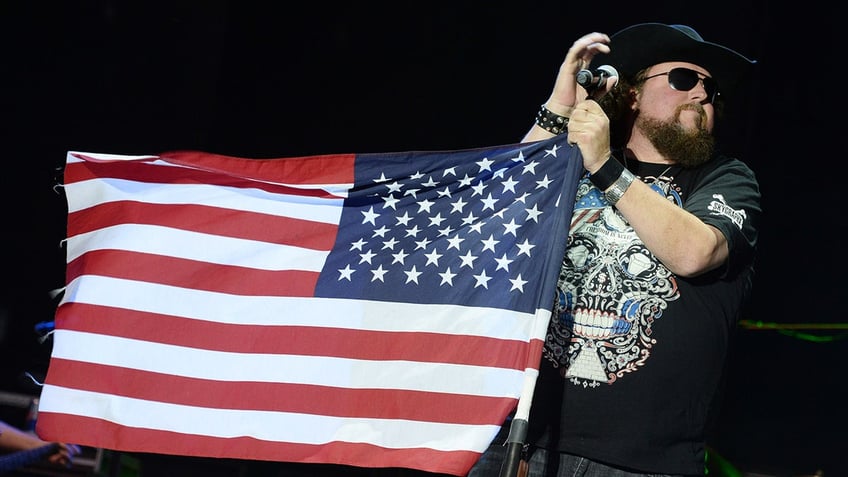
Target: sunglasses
[{"x": 684, "y": 79}]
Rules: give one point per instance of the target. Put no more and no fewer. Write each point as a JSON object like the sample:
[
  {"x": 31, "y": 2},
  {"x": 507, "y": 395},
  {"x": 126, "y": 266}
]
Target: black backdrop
[{"x": 281, "y": 79}]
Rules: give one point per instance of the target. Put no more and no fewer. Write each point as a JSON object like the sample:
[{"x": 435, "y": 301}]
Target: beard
[{"x": 687, "y": 148}]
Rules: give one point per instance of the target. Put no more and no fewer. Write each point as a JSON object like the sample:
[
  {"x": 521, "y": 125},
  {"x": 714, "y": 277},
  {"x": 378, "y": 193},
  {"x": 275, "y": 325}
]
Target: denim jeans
[{"x": 543, "y": 463}]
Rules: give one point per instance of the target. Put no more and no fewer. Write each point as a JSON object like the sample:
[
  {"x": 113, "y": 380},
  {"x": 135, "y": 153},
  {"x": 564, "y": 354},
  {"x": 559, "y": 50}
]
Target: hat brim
[{"x": 640, "y": 46}]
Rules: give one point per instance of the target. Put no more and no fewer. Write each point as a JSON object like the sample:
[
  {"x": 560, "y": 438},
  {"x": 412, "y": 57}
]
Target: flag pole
[{"x": 518, "y": 427}]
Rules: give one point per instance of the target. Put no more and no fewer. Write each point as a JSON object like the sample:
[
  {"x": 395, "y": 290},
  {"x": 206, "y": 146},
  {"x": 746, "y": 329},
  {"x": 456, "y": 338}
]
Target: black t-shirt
[{"x": 634, "y": 354}]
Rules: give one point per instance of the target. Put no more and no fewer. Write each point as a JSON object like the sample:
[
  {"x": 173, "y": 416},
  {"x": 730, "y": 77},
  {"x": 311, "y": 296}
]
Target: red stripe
[
  {"x": 184, "y": 273},
  {"x": 219, "y": 170},
  {"x": 294, "y": 340},
  {"x": 280, "y": 397},
  {"x": 206, "y": 219},
  {"x": 103, "y": 434}
]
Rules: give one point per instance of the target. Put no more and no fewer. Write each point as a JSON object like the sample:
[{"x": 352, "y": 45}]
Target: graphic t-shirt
[{"x": 634, "y": 354}]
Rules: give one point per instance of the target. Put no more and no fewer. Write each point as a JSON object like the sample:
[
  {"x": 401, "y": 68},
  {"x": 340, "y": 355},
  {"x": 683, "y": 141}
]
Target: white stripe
[
  {"x": 304, "y": 311},
  {"x": 279, "y": 368},
  {"x": 265, "y": 425},
  {"x": 203, "y": 247},
  {"x": 85, "y": 194}
]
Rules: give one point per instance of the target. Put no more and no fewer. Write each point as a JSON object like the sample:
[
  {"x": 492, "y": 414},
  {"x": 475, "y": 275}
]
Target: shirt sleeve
[{"x": 728, "y": 198}]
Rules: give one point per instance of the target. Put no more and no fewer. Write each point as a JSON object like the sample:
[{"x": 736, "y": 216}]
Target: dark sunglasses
[{"x": 684, "y": 79}]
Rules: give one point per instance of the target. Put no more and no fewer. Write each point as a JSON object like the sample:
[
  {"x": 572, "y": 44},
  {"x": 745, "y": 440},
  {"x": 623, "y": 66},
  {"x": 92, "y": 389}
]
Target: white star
[
  {"x": 393, "y": 187},
  {"x": 378, "y": 274},
  {"x": 404, "y": 219},
  {"x": 346, "y": 272},
  {"x": 482, "y": 280},
  {"x": 510, "y": 227},
  {"x": 389, "y": 244},
  {"x": 358, "y": 244},
  {"x": 489, "y": 243},
  {"x": 399, "y": 257},
  {"x": 509, "y": 185},
  {"x": 552, "y": 151},
  {"x": 488, "y": 202},
  {"x": 458, "y": 205},
  {"x": 525, "y": 248},
  {"x": 544, "y": 183},
  {"x": 503, "y": 262},
  {"x": 485, "y": 164},
  {"x": 430, "y": 182},
  {"x": 413, "y": 232},
  {"x": 520, "y": 157},
  {"x": 467, "y": 260},
  {"x": 465, "y": 181},
  {"x": 412, "y": 192},
  {"x": 422, "y": 244},
  {"x": 381, "y": 232},
  {"x": 530, "y": 167},
  {"x": 449, "y": 171},
  {"x": 478, "y": 189},
  {"x": 412, "y": 275},
  {"x": 367, "y": 256},
  {"x": 517, "y": 283},
  {"x": 390, "y": 201},
  {"x": 433, "y": 258},
  {"x": 382, "y": 178},
  {"x": 533, "y": 214},
  {"x": 454, "y": 242},
  {"x": 444, "y": 193},
  {"x": 437, "y": 220},
  {"x": 425, "y": 205},
  {"x": 370, "y": 216},
  {"x": 447, "y": 277}
]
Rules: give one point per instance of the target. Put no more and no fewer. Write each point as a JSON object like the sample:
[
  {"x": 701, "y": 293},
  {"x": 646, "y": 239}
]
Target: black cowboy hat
[{"x": 640, "y": 46}]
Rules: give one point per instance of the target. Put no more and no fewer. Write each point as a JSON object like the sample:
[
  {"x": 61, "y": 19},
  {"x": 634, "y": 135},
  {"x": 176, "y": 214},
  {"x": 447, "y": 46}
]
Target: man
[{"x": 659, "y": 260}]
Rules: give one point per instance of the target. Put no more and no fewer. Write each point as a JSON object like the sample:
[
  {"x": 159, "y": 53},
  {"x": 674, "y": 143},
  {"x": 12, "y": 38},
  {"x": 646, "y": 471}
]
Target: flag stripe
[
  {"x": 102, "y": 433},
  {"x": 194, "y": 274},
  {"x": 208, "y": 220},
  {"x": 294, "y": 339},
  {"x": 318, "y": 312},
  {"x": 279, "y": 397}
]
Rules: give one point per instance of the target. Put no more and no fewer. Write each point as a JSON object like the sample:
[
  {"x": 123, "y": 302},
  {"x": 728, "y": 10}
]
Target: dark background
[{"x": 283, "y": 79}]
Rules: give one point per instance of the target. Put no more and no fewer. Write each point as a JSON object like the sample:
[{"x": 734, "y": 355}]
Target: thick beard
[{"x": 689, "y": 149}]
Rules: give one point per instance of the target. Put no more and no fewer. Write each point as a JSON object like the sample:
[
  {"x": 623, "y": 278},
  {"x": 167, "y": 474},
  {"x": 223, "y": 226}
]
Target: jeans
[{"x": 543, "y": 463}]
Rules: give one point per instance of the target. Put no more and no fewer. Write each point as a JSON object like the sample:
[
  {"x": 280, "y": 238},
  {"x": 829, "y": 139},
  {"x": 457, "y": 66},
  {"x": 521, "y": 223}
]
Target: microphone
[{"x": 592, "y": 80}]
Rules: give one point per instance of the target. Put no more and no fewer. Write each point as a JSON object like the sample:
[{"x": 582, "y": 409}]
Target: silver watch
[{"x": 617, "y": 189}]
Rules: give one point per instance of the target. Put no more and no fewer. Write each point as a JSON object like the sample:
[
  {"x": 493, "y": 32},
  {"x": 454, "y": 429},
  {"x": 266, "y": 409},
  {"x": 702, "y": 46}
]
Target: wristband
[
  {"x": 619, "y": 187},
  {"x": 550, "y": 121},
  {"x": 604, "y": 177}
]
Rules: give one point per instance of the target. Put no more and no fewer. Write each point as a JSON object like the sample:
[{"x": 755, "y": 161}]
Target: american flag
[{"x": 375, "y": 310}]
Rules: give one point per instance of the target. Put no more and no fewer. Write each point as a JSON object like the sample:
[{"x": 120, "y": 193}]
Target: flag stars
[
  {"x": 517, "y": 283},
  {"x": 465, "y": 181},
  {"x": 404, "y": 219},
  {"x": 370, "y": 216},
  {"x": 503, "y": 263},
  {"x": 544, "y": 183},
  {"x": 390, "y": 244},
  {"x": 478, "y": 189},
  {"x": 510, "y": 227},
  {"x": 358, "y": 244},
  {"x": 422, "y": 244},
  {"x": 444, "y": 193},
  {"x": 454, "y": 242},
  {"x": 520, "y": 157},
  {"x": 345, "y": 273},
  {"x": 533, "y": 214},
  {"x": 552, "y": 151},
  {"x": 412, "y": 275},
  {"x": 437, "y": 220},
  {"x": 425, "y": 205},
  {"x": 485, "y": 164},
  {"x": 413, "y": 232},
  {"x": 509, "y": 185},
  {"x": 366, "y": 257},
  {"x": 467, "y": 260},
  {"x": 488, "y": 202},
  {"x": 458, "y": 205},
  {"x": 390, "y": 201},
  {"x": 489, "y": 243},
  {"x": 377, "y": 274},
  {"x": 381, "y": 232},
  {"x": 430, "y": 182},
  {"x": 447, "y": 277},
  {"x": 525, "y": 247},
  {"x": 482, "y": 280},
  {"x": 450, "y": 171},
  {"x": 382, "y": 178},
  {"x": 399, "y": 257},
  {"x": 393, "y": 187},
  {"x": 530, "y": 167},
  {"x": 433, "y": 258}
]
